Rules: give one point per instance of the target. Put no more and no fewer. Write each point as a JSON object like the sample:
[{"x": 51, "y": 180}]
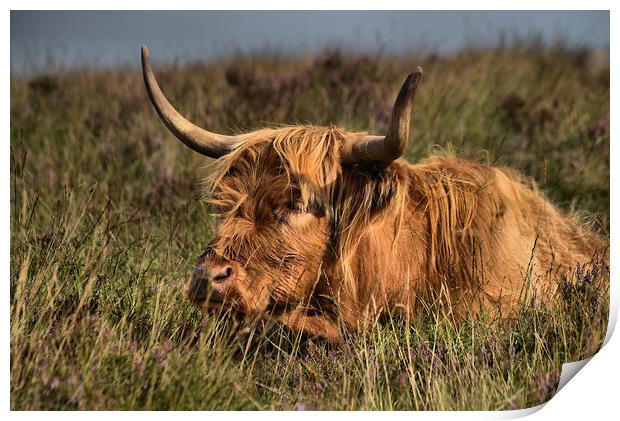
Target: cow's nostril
[{"x": 222, "y": 274}]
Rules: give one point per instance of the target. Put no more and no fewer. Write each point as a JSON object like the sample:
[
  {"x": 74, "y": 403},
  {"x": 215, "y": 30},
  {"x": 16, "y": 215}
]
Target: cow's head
[{"x": 280, "y": 197}]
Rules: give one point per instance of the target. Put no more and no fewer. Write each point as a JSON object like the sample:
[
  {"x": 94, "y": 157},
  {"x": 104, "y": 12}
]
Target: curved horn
[
  {"x": 200, "y": 140},
  {"x": 366, "y": 149}
]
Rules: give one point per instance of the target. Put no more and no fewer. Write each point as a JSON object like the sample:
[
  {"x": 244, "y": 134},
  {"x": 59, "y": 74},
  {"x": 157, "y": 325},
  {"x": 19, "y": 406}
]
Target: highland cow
[{"x": 323, "y": 229}]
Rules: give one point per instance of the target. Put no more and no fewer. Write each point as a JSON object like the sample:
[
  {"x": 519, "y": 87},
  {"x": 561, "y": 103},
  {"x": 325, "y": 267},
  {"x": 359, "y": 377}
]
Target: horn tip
[
  {"x": 145, "y": 52},
  {"x": 414, "y": 77},
  {"x": 417, "y": 74}
]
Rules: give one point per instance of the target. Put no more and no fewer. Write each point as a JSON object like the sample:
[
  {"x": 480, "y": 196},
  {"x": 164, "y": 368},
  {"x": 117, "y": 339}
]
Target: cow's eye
[
  {"x": 291, "y": 209},
  {"x": 295, "y": 207}
]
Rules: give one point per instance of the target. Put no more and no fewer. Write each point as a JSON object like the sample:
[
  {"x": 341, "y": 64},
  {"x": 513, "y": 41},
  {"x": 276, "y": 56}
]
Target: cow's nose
[
  {"x": 197, "y": 291},
  {"x": 220, "y": 274},
  {"x": 209, "y": 281}
]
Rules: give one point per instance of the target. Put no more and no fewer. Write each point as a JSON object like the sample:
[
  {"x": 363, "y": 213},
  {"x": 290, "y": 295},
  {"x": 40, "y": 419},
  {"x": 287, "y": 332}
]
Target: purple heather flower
[
  {"x": 168, "y": 345},
  {"x": 300, "y": 406},
  {"x": 402, "y": 378},
  {"x": 599, "y": 129},
  {"x": 158, "y": 139},
  {"x": 314, "y": 388},
  {"x": 383, "y": 117},
  {"x": 547, "y": 385}
]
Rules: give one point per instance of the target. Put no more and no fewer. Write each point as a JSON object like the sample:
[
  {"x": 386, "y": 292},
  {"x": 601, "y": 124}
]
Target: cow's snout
[
  {"x": 220, "y": 274},
  {"x": 210, "y": 280}
]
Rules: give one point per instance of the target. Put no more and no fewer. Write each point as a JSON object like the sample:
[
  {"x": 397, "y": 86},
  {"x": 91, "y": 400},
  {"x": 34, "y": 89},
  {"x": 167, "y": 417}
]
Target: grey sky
[{"x": 68, "y": 39}]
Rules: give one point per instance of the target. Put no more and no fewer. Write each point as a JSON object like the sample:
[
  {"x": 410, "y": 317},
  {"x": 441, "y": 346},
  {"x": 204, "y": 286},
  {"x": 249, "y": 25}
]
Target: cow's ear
[
  {"x": 371, "y": 188},
  {"x": 363, "y": 195}
]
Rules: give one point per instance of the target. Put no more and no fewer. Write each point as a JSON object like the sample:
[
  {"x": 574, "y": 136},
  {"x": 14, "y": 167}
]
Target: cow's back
[{"x": 493, "y": 239}]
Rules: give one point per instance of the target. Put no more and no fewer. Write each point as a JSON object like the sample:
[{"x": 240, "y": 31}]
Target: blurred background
[{"x": 44, "y": 40}]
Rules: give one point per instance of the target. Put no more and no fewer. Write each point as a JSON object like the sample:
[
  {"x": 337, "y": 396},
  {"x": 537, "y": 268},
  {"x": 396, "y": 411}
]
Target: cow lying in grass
[{"x": 323, "y": 229}]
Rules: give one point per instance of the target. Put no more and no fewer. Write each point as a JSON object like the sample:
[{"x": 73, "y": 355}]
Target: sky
[{"x": 53, "y": 40}]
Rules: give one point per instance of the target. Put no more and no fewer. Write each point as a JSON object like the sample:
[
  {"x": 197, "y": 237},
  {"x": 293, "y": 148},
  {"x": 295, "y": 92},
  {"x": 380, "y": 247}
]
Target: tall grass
[{"x": 106, "y": 223}]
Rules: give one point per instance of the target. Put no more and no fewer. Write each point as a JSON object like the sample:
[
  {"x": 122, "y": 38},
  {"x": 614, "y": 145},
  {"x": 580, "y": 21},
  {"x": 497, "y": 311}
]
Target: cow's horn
[
  {"x": 366, "y": 149},
  {"x": 200, "y": 140}
]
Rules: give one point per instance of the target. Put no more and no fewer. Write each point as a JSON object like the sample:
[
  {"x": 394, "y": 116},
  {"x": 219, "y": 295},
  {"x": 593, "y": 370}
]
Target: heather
[{"x": 107, "y": 221}]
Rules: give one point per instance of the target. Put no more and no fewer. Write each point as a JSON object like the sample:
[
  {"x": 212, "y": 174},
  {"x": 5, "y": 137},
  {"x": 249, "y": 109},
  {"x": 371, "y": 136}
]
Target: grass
[{"x": 106, "y": 223}]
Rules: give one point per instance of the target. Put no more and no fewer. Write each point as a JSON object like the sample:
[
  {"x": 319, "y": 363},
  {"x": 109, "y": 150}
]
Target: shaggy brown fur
[{"x": 317, "y": 245}]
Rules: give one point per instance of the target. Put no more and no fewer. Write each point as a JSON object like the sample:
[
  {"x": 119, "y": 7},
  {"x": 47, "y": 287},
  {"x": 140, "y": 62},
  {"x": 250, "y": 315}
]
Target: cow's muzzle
[{"x": 210, "y": 281}]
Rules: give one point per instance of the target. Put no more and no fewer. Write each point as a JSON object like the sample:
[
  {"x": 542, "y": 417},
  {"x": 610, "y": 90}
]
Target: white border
[{"x": 593, "y": 391}]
